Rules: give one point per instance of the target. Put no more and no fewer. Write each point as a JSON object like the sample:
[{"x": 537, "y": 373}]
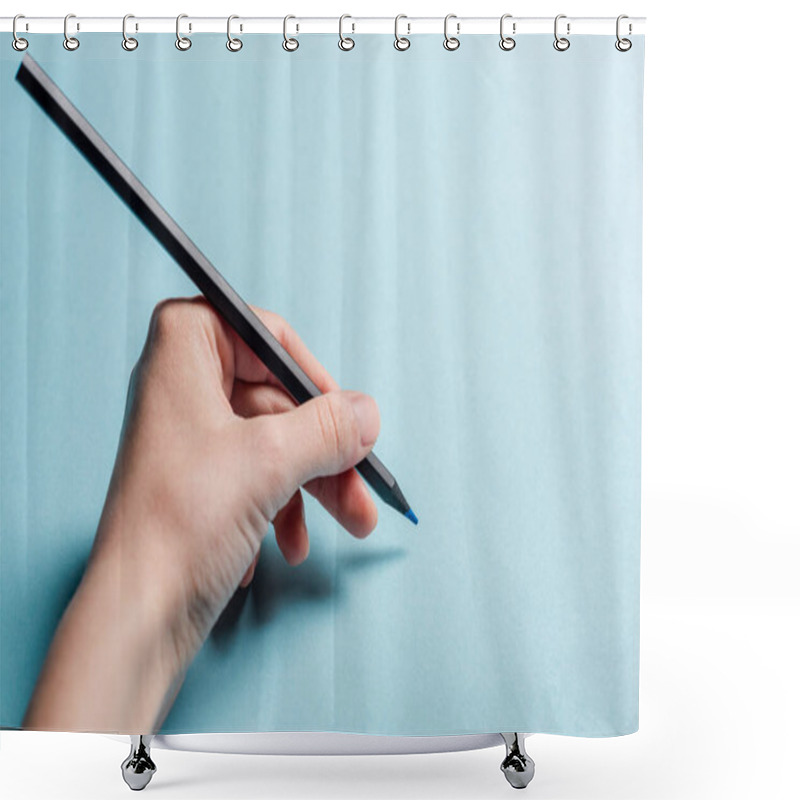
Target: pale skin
[{"x": 212, "y": 452}]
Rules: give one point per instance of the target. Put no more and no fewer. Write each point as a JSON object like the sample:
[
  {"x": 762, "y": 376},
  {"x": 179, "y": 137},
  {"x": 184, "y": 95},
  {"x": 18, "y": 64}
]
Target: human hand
[{"x": 211, "y": 452}]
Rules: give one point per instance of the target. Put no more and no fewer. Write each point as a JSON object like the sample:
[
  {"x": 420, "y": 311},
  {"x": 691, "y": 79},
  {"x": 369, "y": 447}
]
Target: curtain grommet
[
  {"x": 18, "y": 42},
  {"x": 561, "y": 43},
  {"x": 623, "y": 44},
  {"x": 70, "y": 42},
  {"x": 129, "y": 43},
  {"x": 181, "y": 42},
  {"x": 233, "y": 44},
  {"x": 346, "y": 43},
  {"x": 289, "y": 44},
  {"x": 451, "y": 42},
  {"x": 401, "y": 43},
  {"x": 507, "y": 42}
]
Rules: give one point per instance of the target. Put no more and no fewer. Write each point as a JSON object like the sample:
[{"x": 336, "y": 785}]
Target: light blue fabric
[{"x": 456, "y": 233}]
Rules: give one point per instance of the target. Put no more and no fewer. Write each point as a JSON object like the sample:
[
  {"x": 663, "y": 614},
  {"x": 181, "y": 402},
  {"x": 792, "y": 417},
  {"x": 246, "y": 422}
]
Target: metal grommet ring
[
  {"x": 181, "y": 42},
  {"x": 128, "y": 42},
  {"x": 289, "y": 45},
  {"x": 450, "y": 42},
  {"x": 18, "y": 43},
  {"x": 561, "y": 43},
  {"x": 623, "y": 45},
  {"x": 233, "y": 44},
  {"x": 506, "y": 42},
  {"x": 400, "y": 42},
  {"x": 345, "y": 42},
  {"x": 70, "y": 42}
]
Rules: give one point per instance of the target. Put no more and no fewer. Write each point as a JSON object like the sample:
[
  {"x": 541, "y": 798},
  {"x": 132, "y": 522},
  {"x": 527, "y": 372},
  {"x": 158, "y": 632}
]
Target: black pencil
[{"x": 200, "y": 270}]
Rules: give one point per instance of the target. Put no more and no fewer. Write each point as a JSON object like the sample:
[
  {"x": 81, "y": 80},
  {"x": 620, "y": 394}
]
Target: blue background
[{"x": 458, "y": 234}]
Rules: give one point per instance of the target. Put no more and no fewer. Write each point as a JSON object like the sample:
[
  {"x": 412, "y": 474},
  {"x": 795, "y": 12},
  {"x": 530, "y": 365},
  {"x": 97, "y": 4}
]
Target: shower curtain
[{"x": 457, "y": 234}]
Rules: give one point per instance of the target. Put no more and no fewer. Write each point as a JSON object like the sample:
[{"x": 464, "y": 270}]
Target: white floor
[{"x": 719, "y": 702}]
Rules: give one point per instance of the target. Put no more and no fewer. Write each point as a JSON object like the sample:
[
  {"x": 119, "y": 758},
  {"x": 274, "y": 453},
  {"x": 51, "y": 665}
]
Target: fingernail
[{"x": 367, "y": 416}]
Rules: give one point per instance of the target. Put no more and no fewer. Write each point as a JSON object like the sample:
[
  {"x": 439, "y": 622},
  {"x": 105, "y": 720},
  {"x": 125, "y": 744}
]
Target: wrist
[
  {"x": 113, "y": 665},
  {"x": 148, "y": 557}
]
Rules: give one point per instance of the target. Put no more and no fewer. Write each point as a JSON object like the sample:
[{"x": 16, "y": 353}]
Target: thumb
[{"x": 325, "y": 436}]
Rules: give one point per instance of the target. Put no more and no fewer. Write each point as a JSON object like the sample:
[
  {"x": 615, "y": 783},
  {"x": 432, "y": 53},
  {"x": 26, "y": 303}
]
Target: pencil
[{"x": 200, "y": 270}]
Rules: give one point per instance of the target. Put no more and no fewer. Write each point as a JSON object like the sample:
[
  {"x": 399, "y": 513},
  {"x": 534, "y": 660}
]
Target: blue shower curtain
[{"x": 457, "y": 234}]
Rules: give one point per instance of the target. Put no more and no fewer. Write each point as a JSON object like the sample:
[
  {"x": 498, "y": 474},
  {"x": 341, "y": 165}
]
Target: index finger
[{"x": 249, "y": 367}]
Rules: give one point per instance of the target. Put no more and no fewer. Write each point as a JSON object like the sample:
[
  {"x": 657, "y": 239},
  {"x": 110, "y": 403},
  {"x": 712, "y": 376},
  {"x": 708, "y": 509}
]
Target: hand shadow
[{"x": 276, "y": 584}]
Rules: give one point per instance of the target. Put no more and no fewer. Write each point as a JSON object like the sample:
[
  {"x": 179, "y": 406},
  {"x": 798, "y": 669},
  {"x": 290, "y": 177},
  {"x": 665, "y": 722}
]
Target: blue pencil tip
[{"x": 412, "y": 516}]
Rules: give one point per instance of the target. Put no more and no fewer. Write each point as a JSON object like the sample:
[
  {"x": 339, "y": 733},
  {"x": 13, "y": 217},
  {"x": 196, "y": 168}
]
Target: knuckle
[
  {"x": 173, "y": 315},
  {"x": 335, "y": 424},
  {"x": 167, "y": 317},
  {"x": 327, "y": 425}
]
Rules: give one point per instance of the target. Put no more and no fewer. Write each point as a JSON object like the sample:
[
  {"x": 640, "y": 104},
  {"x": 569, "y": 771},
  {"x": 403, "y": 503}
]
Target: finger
[
  {"x": 188, "y": 347},
  {"x": 348, "y": 500},
  {"x": 184, "y": 317},
  {"x": 291, "y": 533},
  {"x": 325, "y": 436},
  {"x": 251, "y": 571},
  {"x": 253, "y": 399},
  {"x": 345, "y": 496},
  {"x": 249, "y": 366}
]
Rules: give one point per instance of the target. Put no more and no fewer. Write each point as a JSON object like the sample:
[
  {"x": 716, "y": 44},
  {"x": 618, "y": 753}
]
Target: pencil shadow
[{"x": 276, "y": 584}]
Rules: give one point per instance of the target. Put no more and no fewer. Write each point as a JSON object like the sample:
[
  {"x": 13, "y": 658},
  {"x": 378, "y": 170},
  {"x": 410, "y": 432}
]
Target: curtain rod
[{"x": 407, "y": 25}]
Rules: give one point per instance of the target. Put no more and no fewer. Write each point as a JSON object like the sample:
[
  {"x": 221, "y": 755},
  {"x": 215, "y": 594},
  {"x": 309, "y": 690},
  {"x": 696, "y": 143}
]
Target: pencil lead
[{"x": 412, "y": 516}]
